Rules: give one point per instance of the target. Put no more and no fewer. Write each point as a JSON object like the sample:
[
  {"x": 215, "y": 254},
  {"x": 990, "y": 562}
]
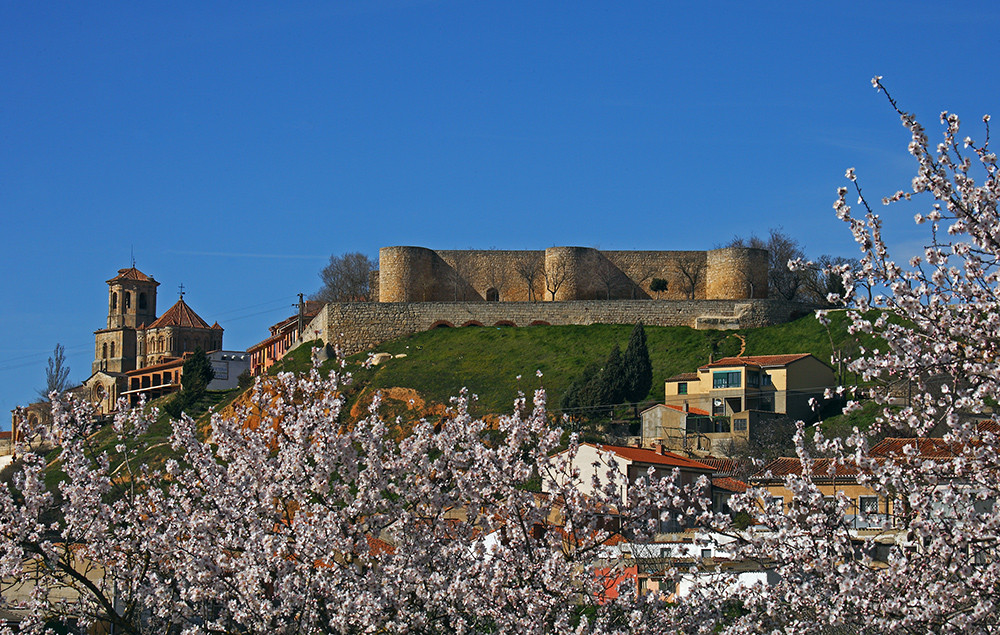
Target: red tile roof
[
  {"x": 927, "y": 447},
  {"x": 132, "y": 274},
  {"x": 729, "y": 484},
  {"x": 683, "y": 377},
  {"x": 651, "y": 457},
  {"x": 758, "y": 360},
  {"x": 694, "y": 411},
  {"x": 377, "y": 546},
  {"x": 180, "y": 315},
  {"x": 779, "y": 468},
  {"x": 989, "y": 426},
  {"x": 726, "y": 467},
  {"x": 5, "y": 434}
]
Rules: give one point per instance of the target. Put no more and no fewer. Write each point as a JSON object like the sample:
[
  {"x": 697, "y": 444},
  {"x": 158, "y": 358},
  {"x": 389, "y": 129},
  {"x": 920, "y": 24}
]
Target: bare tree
[
  {"x": 780, "y": 248},
  {"x": 555, "y": 276},
  {"x": 346, "y": 279},
  {"x": 529, "y": 269},
  {"x": 56, "y": 374},
  {"x": 609, "y": 275},
  {"x": 691, "y": 272},
  {"x": 640, "y": 275},
  {"x": 461, "y": 273},
  {"x": 825, "y": 277},
  {"x": 495, "y": 272}
]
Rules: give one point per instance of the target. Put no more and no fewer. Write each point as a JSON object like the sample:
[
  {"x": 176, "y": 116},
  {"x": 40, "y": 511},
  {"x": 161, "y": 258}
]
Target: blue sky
[{"x": 234, "y": 146}]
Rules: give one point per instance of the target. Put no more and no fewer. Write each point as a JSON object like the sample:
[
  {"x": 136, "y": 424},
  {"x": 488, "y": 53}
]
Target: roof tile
[
  {"x": 644, "y": 455},
  {"x": 757, "y": 360},
  {"x": 180, "y": 315},
  {"x": 132, "y": 274}
]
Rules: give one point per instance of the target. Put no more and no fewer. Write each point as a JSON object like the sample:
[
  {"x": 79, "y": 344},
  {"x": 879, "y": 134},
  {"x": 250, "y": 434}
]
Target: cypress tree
[
  {"x": 581, "y": 393},
  {"x": 638, "y": 370},
  {"x": 613, "y": 385}
]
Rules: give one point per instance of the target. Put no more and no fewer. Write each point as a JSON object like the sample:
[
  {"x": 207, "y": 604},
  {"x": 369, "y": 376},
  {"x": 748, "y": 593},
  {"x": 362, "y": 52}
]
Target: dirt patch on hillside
[{"x": 395, "y": 402}]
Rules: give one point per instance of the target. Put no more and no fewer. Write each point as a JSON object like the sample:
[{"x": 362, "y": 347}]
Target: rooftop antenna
[
  {"x": 181, "y": 288},
  {"x": 132, "y": 252}
]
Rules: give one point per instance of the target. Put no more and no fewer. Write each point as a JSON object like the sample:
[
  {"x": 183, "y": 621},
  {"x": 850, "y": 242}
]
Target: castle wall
[
  {"x": 418, "y": 274},
  {"x": 360, "y": 326}
]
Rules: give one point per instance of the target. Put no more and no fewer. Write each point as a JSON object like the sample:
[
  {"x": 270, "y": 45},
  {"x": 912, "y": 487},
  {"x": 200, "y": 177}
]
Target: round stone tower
[
  {"x": 736, "y": 273},
  {"x": 570, "y": 272},
  {"x": 405, "y": 274}
]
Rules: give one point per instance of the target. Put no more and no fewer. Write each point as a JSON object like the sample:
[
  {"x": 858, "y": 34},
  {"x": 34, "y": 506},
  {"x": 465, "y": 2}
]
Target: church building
[{"x": 135, "y": 338}]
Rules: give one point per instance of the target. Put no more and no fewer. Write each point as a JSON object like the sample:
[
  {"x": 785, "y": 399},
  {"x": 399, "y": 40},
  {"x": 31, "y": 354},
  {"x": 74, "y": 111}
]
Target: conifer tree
[
  {"x": 613, "y": 385},
  {"x": 638, "y": 370},
  {"x": 197, "y": 373}
]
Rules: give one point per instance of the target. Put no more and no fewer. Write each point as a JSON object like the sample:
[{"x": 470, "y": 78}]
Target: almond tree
[
  {"x": 284, "y": 520},
  {"x": 936, "y": 321}
]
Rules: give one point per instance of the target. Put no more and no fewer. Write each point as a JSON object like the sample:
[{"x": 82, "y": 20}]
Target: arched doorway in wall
[
  {"x": 505, "y": 323},
  {"x": 472, "y": 323},
  {"x": 441, "y": 324},
  {"x": 492, "y": 295}
]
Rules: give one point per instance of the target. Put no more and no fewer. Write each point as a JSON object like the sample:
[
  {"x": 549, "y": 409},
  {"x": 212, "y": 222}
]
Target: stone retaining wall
[{"x": 360, "y": 326}]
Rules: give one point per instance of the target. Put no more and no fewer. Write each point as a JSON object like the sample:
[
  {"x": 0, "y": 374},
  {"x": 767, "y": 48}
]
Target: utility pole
[{"x": 302, "y": 315}]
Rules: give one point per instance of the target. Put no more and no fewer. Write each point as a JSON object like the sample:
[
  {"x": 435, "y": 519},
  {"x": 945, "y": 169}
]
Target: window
[
  {"x": 868, "y": 504},
  {"x": 142, "y": 300},
  {"x": 114, "y": 300},
  {"x": 706, "y": 553},
  {"x": 726, "y": 379},
  {"x": 682, "y": 388},
  {"x": 128, "y": 300},
  {"x": 753, "y": 378},
  {"x": 492, "y": 295},
  {"x": 104, "y": 354},
  {"x": 767, "y": 403},
  {"x": 778, "y": 502},
  {"x": 740, "y": 425},
  {"x": 112, "y": 349},
  {"x": 718, "y": 407}
]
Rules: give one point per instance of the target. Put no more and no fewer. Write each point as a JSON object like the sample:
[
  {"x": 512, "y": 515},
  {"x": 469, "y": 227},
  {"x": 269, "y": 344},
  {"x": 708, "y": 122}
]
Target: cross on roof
[{"x": 181, "y": 287}]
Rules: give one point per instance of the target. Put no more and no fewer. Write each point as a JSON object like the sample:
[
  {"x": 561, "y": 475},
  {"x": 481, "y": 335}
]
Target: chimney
[
  {"x": 687, "y": 407},
  {"x": 658, "y": 447}
]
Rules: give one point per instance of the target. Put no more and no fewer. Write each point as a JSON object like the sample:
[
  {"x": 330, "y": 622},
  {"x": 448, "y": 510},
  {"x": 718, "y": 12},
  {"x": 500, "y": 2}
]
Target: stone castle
[
  {"x": 419, "y": 289},
  {"x": 418, "y": 274}
]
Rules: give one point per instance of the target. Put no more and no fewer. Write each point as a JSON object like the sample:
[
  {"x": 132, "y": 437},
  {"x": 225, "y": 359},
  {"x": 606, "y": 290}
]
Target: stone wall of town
[
  {"x": 418, "y": 274},
  {"x": 360, "y": 326}
]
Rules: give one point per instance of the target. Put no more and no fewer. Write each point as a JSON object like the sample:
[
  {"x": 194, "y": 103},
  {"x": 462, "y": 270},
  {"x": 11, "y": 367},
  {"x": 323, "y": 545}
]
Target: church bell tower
[{"x": 131, "y": 305}]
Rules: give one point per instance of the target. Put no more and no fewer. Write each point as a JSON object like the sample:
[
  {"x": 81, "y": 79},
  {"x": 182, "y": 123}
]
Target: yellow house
[
  {"x": 710, "y": 411},
  {"x": 866, "y": 510},
  {"x": 735, "y": 386}
]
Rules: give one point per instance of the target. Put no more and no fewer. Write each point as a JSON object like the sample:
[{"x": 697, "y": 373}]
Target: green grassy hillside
[{"x": 488, "y": 360}]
